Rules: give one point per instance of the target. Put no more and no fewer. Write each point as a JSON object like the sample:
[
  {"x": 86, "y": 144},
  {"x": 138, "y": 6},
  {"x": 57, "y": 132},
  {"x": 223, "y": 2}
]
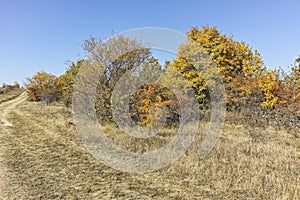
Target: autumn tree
[
  {"x": 65, "y": 82},
  {"x": 115, "y": 57},
  {"x": 42, "y": 87},
  {"x": 150, "y": 103},
  {"x": 293, "y": 80},
  {"x": 289, "y": 92},
  {"x": 16, "y": 85},
  {"x": 235, "y": 61},
  {"x": 269, "y": 83}
]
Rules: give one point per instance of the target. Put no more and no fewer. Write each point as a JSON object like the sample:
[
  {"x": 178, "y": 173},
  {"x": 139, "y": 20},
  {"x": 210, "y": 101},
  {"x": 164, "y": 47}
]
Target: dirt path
[{"x": 5, "y": 109}]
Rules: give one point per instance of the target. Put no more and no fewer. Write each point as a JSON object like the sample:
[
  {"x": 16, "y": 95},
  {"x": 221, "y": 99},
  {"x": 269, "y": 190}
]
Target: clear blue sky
[{"x": 44, "y": 34}]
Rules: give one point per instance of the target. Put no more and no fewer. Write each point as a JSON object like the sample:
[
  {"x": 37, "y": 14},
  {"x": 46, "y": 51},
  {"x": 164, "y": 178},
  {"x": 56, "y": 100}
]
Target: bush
[{"x": 42, "y": 87}]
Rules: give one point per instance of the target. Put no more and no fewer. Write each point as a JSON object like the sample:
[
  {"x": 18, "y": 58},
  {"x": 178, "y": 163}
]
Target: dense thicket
[{"x": 250, "y": 86}]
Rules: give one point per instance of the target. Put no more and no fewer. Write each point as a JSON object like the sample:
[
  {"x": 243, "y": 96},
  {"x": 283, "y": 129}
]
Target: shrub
[{"x": 42, "y": 87}]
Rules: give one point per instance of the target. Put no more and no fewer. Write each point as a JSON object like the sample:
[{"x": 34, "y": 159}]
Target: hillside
[{"x": 43, "y": 158}]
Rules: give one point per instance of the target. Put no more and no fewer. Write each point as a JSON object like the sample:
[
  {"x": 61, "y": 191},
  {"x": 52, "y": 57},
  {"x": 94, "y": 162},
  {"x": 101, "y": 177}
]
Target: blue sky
[{"x": 44, "y": 35}]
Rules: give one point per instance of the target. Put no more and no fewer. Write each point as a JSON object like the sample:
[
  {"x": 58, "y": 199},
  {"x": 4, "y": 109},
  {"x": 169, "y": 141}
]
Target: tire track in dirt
[{"x": 5, "y": 109}]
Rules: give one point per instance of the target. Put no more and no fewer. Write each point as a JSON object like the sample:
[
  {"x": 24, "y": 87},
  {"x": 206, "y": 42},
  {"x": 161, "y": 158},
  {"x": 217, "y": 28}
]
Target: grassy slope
[
  {"x": 6, "y": 95},
  {"x": 47, "y": 161}
]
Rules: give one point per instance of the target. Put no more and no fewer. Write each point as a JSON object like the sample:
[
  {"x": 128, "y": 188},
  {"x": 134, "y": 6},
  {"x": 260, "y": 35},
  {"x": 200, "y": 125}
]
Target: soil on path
[{"x": 5, "y": 109}]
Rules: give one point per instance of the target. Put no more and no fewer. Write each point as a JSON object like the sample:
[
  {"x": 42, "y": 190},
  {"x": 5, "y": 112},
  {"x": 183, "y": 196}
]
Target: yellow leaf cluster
[{"x": 268, "y": 83}]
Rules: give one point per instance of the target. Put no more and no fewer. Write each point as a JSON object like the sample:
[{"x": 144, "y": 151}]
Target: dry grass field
[
  {"x": 7, "y": 94},
  {"x": 43, "y": 158}
]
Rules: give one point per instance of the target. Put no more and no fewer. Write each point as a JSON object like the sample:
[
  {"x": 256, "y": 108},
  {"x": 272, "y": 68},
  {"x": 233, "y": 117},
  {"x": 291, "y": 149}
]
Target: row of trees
[
  {"x": 247, "y": 81},
  {"x": 242, "y": 71}
]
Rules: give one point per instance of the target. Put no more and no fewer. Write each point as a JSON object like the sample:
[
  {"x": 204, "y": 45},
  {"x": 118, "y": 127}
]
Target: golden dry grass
[
  {"x": 8, "y": 94},
  {"x": 46, "y": 160}
]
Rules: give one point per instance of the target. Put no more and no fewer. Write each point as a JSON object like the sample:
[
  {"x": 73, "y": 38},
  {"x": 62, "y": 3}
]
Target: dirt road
[
  {"x": 5, "y": 109},
  {"x": 45, "y": 159}
]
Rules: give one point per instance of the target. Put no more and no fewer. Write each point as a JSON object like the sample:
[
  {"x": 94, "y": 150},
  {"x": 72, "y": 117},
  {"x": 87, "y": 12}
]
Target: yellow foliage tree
[
  {"x": 294, "y": 80},
  {"x": 152, "y": 101},
  {"x": 65, "y": 82},
  {"x": 290, "y": 89},
  {"x": 235, "y": 61},
  {"x": 269, "y": 83},
  {"x": 42, "y": 87},
  {"x": 16, "y": 85}
]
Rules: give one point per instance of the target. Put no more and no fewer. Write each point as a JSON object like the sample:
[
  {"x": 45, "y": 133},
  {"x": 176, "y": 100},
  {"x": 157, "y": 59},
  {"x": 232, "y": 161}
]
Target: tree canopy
[{"x": 206, "y": 54}]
